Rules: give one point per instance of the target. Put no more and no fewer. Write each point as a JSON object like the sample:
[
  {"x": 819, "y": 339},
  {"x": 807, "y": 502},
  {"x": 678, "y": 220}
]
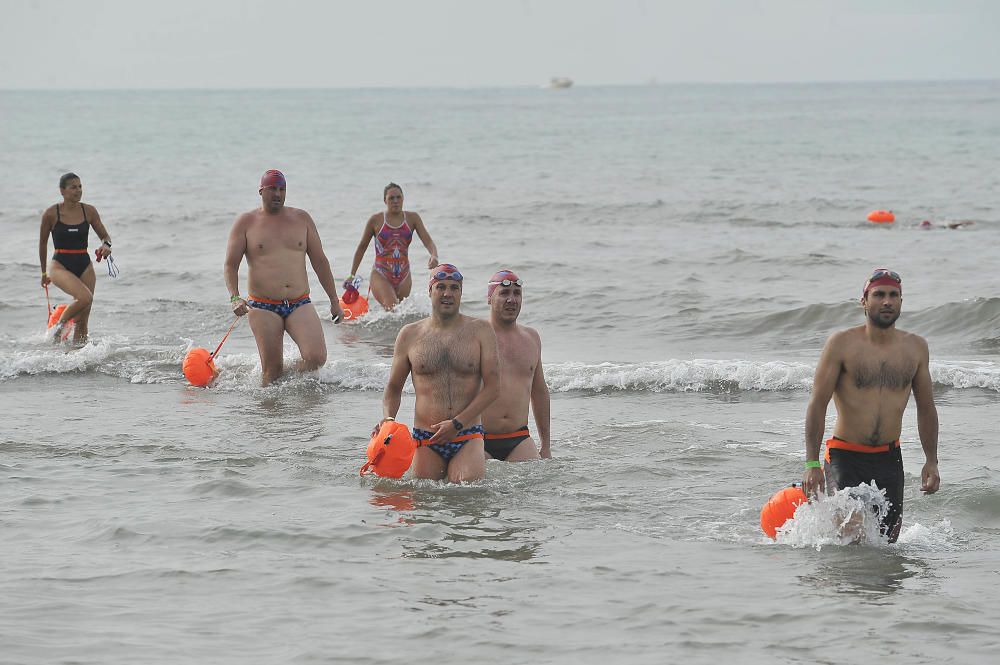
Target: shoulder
[
  {"x": 480, "y": 326},
  {"x": 915, "y": 342},
  {"x": 532, "y": 334},
  {"x": 842, "y": 341},
  {"x": 411, "y": 331},
  {"x": 413, "y": 217},
  {"x": 245, "y": 219},
  {"x": 50, "y": 212},
  {"x": 375, "y": 219},
  {"x": 90, "y": 210}
]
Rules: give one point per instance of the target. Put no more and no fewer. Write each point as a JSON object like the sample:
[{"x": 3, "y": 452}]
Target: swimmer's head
[
  {"x": 503, "y": 278},
  {"x": 445, "y": 271},
  {"x": 272, "y": 178},
  {"x": 883, "y": 277},
  {"x": 391, "y": 185},
  {"x": 70, "y": 188},
  {"x": 65, "y": 178}
]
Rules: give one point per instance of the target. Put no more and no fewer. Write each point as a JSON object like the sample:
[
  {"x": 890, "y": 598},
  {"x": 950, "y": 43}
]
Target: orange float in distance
[
  {"x": 353, "y": 310},
  {"x": 780, "y": 508},
  {"x": 199, "y": 368},
  {"x": 881, "y": 217},
  {"x": 390, "y": 451}
]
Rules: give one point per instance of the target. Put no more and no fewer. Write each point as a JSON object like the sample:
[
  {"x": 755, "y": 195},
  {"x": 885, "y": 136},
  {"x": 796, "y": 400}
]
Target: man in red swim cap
[
  {"x": 870, "y": 371},
  {"x": 452, "y": 359},
  {"x": 276, "y": 240},
  {"x": 521, "y": 375}
]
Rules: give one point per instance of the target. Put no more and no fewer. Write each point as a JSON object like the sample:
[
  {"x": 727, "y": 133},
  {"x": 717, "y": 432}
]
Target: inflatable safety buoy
[
  {"x": 780, "y": 508},
  {"x": 68, "y": 328},
  {"x": 390, "y": 451},
  {"x": 881, "y": 217},
  {"x": 352, "y": 310},
  {"x": 199, "y": 368}
]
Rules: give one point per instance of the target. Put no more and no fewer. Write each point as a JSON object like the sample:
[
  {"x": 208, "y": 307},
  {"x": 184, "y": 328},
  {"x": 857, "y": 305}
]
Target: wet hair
[
  {"x": 65, "y": 178},
  {"x": 391, "y": 185}
]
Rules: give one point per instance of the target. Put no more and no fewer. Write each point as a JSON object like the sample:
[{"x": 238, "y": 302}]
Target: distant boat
[{"x": 560, "y": 82}]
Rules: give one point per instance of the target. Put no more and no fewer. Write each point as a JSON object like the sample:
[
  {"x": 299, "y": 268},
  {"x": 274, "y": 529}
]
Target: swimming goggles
[
  {"x": 441, "y": 274},
  {"x": 509, "y": 282}
]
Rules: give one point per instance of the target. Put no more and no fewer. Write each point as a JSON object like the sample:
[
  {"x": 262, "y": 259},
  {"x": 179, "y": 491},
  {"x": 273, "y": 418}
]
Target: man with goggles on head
[
  {"x": 521, "y": 378},
  {"x": 276, "y": 239},
  {"x": 870, "y": 371},
  {"x": 453, "y": 361}
]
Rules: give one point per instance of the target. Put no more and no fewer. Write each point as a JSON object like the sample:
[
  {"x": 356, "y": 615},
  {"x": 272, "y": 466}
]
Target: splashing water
[{"x": 851, "y": 515}]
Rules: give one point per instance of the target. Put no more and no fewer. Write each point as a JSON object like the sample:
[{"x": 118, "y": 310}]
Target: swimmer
[
  {"x": 71, "y": 270},
  {"x": 276, "y": 240},
  {"x": 453, "y": 361},
  {"x": 521, "y": 376},
  {"x": 392, "y": 230},
  {"x": 870, "y": 371}
]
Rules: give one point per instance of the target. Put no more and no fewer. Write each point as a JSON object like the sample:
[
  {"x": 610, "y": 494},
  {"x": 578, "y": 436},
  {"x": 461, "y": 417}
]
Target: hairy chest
[
  {"x": 439, "y": 354},
  {"x": 892, "y": 373}
]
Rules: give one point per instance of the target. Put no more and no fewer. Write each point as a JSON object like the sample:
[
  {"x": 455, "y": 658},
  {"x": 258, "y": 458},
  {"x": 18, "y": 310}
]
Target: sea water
[{"x": 686, "y": 252}]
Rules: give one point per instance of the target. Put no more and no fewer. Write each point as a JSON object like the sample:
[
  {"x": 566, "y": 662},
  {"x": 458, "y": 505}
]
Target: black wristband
[{"x": 457, "y": 425}]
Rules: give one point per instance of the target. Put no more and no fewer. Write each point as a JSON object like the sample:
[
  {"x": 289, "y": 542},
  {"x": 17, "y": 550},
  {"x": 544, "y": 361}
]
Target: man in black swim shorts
[
  {"x": 870, "y": 371},
  {"x": 522, "y": 381}
]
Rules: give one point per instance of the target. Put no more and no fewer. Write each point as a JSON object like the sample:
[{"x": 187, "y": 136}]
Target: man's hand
[
  {"x": 813, "y": 483},
  {"x": 335, "y": 312},
  {"x": 444, "y": 432},
  {"x": 930, "y": 481},
  {"x": 240, "y": 307}
]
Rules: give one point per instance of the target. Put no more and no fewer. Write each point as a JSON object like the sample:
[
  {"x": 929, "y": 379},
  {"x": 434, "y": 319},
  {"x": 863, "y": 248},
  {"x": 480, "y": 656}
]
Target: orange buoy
[
  {"x": 355, "y": 309},
  {"x": 68, "y": 327},
  {"x": 390, "y": 451},
  {"x": 780, "y": 508},
  {"x": 881, "y": 217},
  {"x": 199, "y": 367}
]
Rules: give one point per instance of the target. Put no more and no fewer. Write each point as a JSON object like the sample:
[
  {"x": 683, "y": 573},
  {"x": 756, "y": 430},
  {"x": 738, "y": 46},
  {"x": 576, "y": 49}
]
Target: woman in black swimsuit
[{"x": 69, "y": 224}]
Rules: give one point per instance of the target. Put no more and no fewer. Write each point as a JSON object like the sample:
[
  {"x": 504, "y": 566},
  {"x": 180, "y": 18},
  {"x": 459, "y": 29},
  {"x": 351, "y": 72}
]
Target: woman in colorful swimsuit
[
  {"x": 392, "y": 230},
  {"x": 69, "y": 224}
]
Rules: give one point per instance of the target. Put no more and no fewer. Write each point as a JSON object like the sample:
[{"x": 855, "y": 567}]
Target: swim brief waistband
[{"x": 840, "y": 444}]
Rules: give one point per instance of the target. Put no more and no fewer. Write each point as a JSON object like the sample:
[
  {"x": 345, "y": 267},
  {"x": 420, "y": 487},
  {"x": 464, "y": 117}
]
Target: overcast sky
[{"x": 87, "y": 44}]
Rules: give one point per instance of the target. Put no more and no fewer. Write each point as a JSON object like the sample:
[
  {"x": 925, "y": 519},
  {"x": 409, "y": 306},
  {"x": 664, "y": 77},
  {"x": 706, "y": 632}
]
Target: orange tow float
[
  {"x": 881, "y": 217},
  {"x": 390, "y": 451},
  {"x": 780, "y": 508}
]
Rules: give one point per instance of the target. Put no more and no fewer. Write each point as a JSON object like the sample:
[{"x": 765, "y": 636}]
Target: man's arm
[
  {"x": 540, "y": 402},
  {"x": 824, "y": 383},
  {"x": 321, "y": 265},
  {"x": 400, "y": 369},
  {"x": 236, "y": 248},
  {"x": 927, "y": 421}
]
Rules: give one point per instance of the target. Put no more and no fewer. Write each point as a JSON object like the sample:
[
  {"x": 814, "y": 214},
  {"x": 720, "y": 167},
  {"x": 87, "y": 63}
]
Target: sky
[{"x": 139, "y": 44}]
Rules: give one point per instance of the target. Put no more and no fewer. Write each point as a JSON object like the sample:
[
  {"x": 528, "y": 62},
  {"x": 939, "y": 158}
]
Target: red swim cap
[
  {"x": 883, "y": 277},
  {"x": 272, "y": 178},
  {"x": 498, "y": 278}
]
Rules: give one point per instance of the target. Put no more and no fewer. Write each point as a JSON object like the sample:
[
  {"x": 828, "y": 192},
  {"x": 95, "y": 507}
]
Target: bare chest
[
  {"x": 266, "y": 237},
  {"x": 437, "y": 354},
  {"x": 519, "y": 354},
  {"x": 872, "y": 371}
]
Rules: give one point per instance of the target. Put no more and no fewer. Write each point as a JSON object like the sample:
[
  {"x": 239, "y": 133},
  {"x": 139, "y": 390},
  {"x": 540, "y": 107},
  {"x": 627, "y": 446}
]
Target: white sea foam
[{"x": 851, "y": 515}]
